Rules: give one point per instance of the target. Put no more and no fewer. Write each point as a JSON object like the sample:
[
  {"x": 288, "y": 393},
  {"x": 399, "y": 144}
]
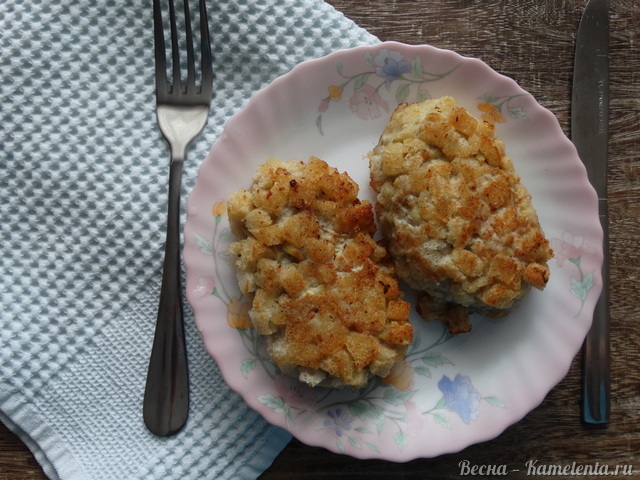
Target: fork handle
[{"x": 166, "y": 397}]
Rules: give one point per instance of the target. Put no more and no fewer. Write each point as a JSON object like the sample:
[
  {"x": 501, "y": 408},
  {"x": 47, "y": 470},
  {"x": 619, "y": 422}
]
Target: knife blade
[{"x": 589, "y": 133}]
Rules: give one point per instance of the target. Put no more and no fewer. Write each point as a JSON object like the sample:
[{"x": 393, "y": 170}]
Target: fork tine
[
  {"x": 175, "y": 49},
  {"x": 161, "y": 61},
  {"x": 205, "y": 45},
  {"x": 191, "y": 69}
]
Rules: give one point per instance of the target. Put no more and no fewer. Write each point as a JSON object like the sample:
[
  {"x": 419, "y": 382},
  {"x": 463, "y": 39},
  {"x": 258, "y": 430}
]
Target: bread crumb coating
[
  {"x": 324, "y": 292},
  {"x": 459, "y": 223}
]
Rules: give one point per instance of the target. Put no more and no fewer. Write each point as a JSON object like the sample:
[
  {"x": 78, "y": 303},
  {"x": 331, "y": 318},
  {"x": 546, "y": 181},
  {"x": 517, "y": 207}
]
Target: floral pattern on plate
[
  {"x": 388, "y": 68},
  {"x": 407, "y": 80},
  {"x": 493, "y": 108},
  {"x": 573, "y": 249}
]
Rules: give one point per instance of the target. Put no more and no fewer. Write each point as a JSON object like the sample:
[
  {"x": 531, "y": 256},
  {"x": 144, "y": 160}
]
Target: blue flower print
[
  {"x": 391, "y": 65},
  {"x": 460, "y": 396},
  {"x": 338, "y": 419}
]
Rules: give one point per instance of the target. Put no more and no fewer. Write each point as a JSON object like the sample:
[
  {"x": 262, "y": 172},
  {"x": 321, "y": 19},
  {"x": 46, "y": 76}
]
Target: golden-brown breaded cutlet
[
  {"x": 459, "y": 223},
  {"x": 324, "y": 292}
]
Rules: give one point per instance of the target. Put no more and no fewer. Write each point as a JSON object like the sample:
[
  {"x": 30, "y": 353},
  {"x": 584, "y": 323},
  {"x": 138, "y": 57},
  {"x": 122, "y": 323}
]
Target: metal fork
[{"x": 182, "y": 109}]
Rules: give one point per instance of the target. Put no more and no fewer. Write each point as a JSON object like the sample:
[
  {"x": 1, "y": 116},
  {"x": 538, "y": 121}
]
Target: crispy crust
[
  {"x": 461, "y": 226},
  {"x": 324, "y": 292}
]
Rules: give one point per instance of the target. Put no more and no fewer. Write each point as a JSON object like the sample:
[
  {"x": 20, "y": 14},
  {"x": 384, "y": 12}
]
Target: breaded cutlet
[
  {"x": 324, "y": 293},
  {"x": 459, "y": 223}
]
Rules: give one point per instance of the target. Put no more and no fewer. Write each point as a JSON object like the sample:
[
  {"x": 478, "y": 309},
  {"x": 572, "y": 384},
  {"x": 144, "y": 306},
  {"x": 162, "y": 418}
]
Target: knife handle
[{"x": 597, "y": 378}]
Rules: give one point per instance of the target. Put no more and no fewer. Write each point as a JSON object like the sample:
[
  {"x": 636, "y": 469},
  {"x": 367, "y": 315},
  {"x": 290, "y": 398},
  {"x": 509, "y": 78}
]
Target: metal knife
[{"x": 589, "y": 133}]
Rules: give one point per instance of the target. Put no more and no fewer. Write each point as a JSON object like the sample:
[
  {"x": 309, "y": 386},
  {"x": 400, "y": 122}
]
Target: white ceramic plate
[{"x": 450, "y": 392}]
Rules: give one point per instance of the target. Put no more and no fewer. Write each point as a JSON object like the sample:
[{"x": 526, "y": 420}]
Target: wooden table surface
[{"x": 532, "y": 42}]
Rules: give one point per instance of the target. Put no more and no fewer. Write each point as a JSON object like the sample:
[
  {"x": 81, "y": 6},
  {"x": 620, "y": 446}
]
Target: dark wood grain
[
  {"x": 16, "y": 460},
  {"x": 533, "y": 43}
]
